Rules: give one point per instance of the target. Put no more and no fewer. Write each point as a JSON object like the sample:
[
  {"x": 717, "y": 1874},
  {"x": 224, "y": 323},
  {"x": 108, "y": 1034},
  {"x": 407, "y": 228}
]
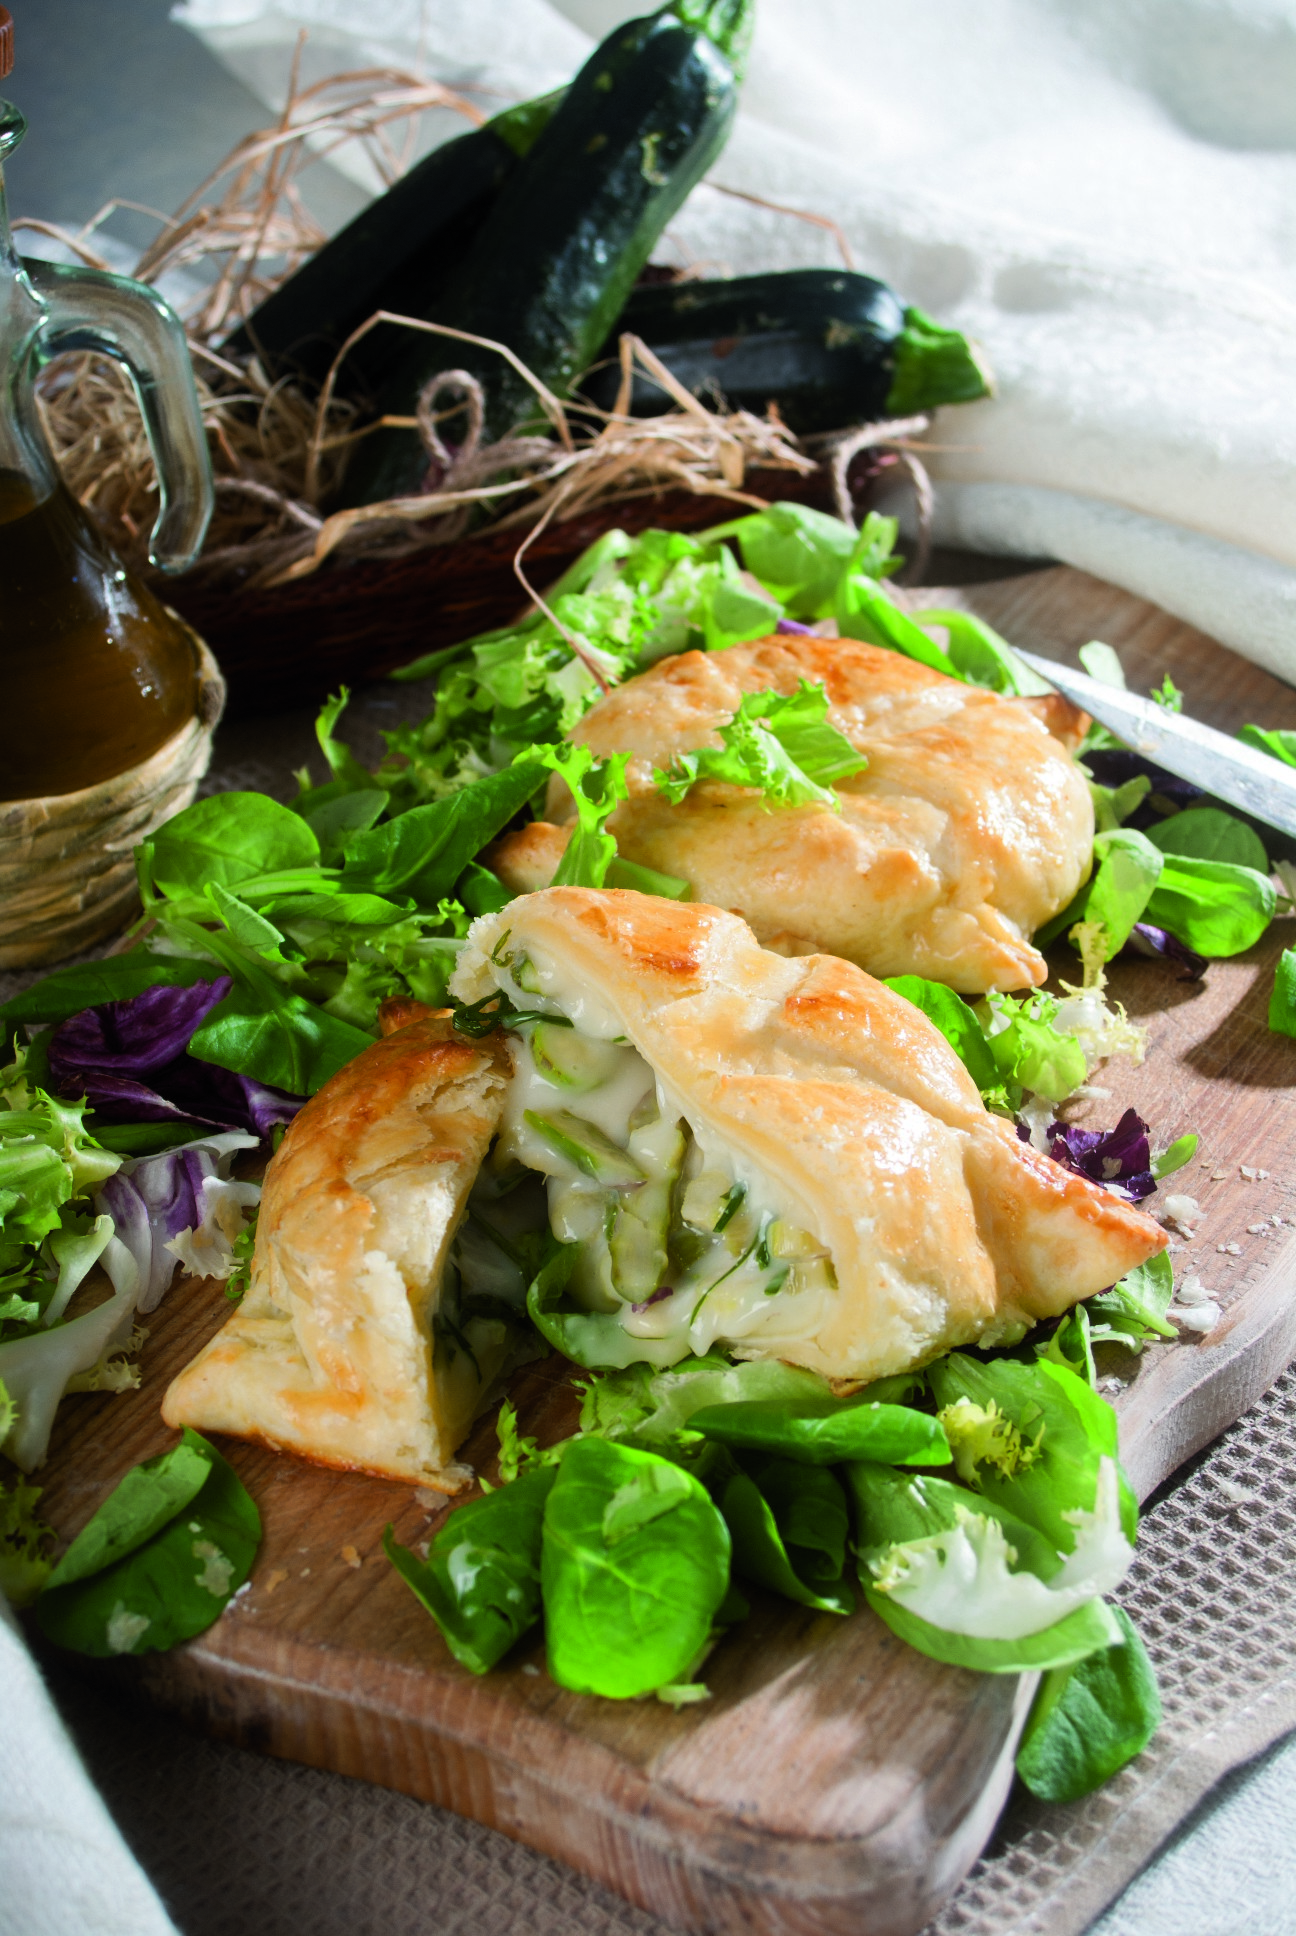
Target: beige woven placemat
[{"x": 235, "y": 1842}]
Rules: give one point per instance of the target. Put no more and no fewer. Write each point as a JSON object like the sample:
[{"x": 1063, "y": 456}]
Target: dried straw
[{"x": 278, "y": 452}]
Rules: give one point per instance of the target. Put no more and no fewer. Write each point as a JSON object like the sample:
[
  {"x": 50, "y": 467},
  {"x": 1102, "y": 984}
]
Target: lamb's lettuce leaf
[
  {"x": 826, "y": 1430},
  {"x": 978, "y": 654},
  {"x": 789, "y": 1526},
  {"x": 594, "y": 1339},
  {"x": 424, "y": 851},
  {"x": 228, "y": 838},
  {"x": 865, "y": 611},
  {"x": 1216, "y": 907},
  {"x": 160, "y": 1559},
  {"x": 958, "y": 1023},
  {"x": 481, "y": 1579},
  {"x": 1208, "y": 833},
  {"x": 657, "y": 1406},
  {"x": 1090, "y": 1718},
  {"x": 634, "y": 1568},
  {"x": 1126, "y": 869}
]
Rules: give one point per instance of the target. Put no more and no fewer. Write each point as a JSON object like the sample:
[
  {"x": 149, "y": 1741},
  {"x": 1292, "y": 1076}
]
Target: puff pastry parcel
[
  {"x": 350, "y": 1345},
  {"x": 775, "y": 1154},
  {"x": 970, "y": 828}
]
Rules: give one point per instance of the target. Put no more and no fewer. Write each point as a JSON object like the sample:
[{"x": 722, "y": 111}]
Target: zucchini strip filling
[{"x": 674, "y": 1241}]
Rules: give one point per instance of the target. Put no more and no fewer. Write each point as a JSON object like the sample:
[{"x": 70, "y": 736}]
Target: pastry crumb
[
  {"x": 276, "y": 1578},
  {"x": 350, "y": 1556},
  {"x": 442, "y": 1485}
]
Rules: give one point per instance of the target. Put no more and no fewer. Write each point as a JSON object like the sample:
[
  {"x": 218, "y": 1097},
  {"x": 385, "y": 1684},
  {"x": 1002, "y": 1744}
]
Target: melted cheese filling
[{"x": 679, "y": 1240}]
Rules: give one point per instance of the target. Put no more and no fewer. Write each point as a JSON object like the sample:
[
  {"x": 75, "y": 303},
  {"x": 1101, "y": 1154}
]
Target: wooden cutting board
[{"x": 835, "y": 1781}]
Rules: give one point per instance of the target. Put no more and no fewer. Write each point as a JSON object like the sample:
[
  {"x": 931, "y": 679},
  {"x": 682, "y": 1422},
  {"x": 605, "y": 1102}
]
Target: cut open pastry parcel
[{"x": 683, "y": 1141}]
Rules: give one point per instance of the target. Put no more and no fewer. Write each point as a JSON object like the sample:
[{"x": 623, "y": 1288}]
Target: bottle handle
[{"x": 88, "y": 309}]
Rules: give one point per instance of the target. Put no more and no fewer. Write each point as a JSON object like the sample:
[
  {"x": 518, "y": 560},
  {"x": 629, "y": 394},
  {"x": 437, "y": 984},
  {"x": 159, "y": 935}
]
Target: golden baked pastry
[
  {"x": 349, "y": 1346},
  {"x": 969, "y": 829},
  {"x": 775, "y": 1154}
]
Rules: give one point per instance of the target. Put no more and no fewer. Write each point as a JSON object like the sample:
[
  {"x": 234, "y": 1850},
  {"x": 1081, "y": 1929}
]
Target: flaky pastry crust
[
  {"x": 332, "y": 1352},
  {"x": 970, "y": 828}
]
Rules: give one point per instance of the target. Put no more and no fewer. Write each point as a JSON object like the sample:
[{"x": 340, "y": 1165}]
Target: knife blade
[{"x": 1242, "y": 775}]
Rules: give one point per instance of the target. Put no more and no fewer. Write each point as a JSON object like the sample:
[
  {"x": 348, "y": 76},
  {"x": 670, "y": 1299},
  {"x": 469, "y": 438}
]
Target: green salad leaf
[
  {"x": 24, "y": 1564},
  {"x": 88, "y": 983},
  {"x": 957, "y": 1021},
  {"x": 424, "y": 850},
  {"x": 1277, "y": 740},
  {"x": 160, "y": 1559},
  {"x": 657, "y": 1406},
  {"x": 965, "y": 1580},
  {"x": 1126, "y": 870},
  {"x": 789, "y": 1526},
  {"x": 801, "y": 556},
  {"x": 1087, "y": 1629},
  {"x": 823, "y": 1431},
  {"x": 1062, "y": 1433},
  {"x": 261, "y": 1029},
  {"x": 779, "y": 743},
  {"x": 595, "y": 1339},
  {"x": 634, "y": 1568},
  {"x": 978, "y": 654},
  {"x": 1282, "y": 999},
  {"x": 49, "y": 1163},
  {"x": 1090, "y": 1718},
  {"x": 865, "y": 611},
  {"x": 1029, "y": 1052},
  {"x": 1215, "y": 907},
  {"x": 1134, "y": 1310},
  {"x": 1208, "y": 833},
  {"x": 481, "y": 1579},
  {"x": 229, "y": 838},
  {"x": 597, "y": 788}
]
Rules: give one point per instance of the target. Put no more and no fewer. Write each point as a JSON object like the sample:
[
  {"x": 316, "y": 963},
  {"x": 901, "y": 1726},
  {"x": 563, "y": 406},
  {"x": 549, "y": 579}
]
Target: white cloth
[
  {"x": 64, "y": 1868},
  {"x": 1103, "y": 195}
]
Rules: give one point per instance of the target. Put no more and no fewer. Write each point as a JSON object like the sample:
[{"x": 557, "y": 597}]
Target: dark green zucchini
[
  {"x": 398, "y": 254},
  {"x": 830, "y": 348},
  {"x": 560, "y": 249}
]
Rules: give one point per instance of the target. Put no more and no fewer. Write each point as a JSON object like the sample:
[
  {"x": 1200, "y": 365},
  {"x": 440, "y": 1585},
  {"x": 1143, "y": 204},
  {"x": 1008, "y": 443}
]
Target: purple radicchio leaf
[
  {"x": 793, "y": 625},
  {"x": 1119, "y": 1158},
  {"x": 1144, "y": 939},
  {"x": 153, "y": 1199},
  {"x": 129, "y": 1058}
]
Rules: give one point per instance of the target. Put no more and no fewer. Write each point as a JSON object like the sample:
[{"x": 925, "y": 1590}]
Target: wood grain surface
[{"x": 836, "y": 1781}]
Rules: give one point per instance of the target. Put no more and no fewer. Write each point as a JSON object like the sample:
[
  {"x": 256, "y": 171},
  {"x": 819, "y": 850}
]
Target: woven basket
[
  {"x": 67, "y": 873},
  {"x": 359, "y": 619}
]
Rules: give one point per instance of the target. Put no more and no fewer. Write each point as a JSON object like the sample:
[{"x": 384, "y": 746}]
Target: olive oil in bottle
[{"x": 97, "y": 674}]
